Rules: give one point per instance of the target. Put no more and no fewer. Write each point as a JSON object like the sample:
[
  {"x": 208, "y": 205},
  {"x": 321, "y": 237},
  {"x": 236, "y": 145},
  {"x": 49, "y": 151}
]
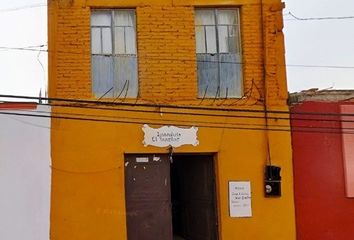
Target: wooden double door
[{"x": 170, "y": 200}]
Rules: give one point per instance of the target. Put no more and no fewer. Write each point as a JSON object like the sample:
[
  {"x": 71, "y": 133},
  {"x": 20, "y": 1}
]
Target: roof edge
[
  {"x": 315, "y": 95},
  {"x": 18, "y": 105}
]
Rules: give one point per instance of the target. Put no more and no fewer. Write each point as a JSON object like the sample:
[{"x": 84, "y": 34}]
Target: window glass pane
[
  {"x": 95, "y": 41},
  {"x": 106, "y": 41},
  {"x": 102, "y": 75},
  {"x": 223, "y": 39},
  {"x": 130, "y": 40},
  {"x": 200, "y": 39},
  {"x": 234, "y": 40},
  {"x": 230, "y": 75},
  {"x": 228, "y": 17},
  {"x": 124, "y": 18},
  {"x": 204, "y": 17},
  {"x": 119, "y": 40},
  {"x": 101, "y": 18},
  {"x": 126, "y": 76},
  {"x": 207, "y": 75},
  {"x": 211, "y": 39}
]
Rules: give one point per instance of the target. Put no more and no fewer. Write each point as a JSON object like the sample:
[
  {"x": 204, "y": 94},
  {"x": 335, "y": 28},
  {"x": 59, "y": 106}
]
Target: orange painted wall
[
  {"x": 88, "y": 167},
  {"x": 166, "y": 49}
]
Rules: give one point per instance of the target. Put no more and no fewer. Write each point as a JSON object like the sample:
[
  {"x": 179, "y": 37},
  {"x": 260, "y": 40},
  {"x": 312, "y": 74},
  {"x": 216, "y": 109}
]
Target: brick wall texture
[{"x": 166, "y": 52}]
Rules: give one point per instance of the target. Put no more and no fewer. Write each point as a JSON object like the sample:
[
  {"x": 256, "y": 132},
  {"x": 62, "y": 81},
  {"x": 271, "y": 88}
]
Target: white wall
[{"x": 25, "y": 176}]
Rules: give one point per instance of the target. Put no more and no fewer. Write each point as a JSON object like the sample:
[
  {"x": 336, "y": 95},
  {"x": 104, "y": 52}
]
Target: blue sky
[{"x": 320, "y": 43}]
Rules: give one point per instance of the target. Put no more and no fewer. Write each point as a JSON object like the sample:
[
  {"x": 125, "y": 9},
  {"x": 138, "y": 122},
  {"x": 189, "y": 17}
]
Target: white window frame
[
  {"x": 213, "y": 57},
  {"x": 110, "y": 83}
]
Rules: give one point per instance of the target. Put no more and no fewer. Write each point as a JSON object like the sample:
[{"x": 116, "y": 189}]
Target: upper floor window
[
  {"x": 113, "y": 53},
  {"x": 218, "y": 52}
]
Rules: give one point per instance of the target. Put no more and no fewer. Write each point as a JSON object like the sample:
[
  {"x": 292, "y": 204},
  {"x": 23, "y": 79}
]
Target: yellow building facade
[{"x": 161, "y": 77}]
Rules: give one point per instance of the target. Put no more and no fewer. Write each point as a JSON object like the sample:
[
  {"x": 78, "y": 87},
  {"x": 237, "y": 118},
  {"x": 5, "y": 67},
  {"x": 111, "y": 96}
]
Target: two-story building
[{"x": 165, "y": 114}]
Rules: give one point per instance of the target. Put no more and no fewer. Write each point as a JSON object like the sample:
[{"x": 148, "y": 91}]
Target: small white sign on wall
[
  {"x": 240, "y": 199},
  {"x": 169, "y": 136}
]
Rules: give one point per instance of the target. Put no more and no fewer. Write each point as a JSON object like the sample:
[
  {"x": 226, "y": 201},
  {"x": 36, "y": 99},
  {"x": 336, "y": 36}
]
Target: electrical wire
[
  {"x": 187, "y": 60},
  {"x": 209, "y": 122},
  {"x": 95, "y": 118},
  {"x": 3, "y": 10},
  {"x": 205, "y": 114},
  {"x": 83, "y": 172},
  {"x": 197, "y": 114},
  {"x": 170, "y": 106},
  {"x": 42, "y": 65},
  {"x": 210, "y": 115},
  {"x": 317, "y": 18},
  {"x": 214, "y": 115},
  {"x": 27, "y": 48},
  {"x": 29, "y": 123},
  {"x": 190, "y": 122},
  {"x": 54, "y": 116}
]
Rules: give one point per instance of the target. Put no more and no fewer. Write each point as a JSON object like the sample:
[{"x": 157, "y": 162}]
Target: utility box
[{"x": 272, "y": 181}]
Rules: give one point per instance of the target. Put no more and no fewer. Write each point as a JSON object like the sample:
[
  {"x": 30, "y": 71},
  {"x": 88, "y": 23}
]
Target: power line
[
  {"x": 83, "y": 172},
  {"x": 232, "y": 125},
  {"x": 320, "y": 66},
  {"x": 154, "y": 119},
  {"x": 144, "y": 119},
  {"x": 187, "y": 60},
  {"x": 297, "y": 119},
  {"x": 29, "y": 123},
  {"x": 317, "y": 18},
  {"x": 180, "y": 107},
  {"x": 23, "y": 7},
  {"x": 206, "y": 122},
  {"x": 294, "y": 129},
  {"x": 201, "y": 114},
  {"x": 117, "y": 104},
  {"x": 73, "y": 117},
  {"x": 28, "y": 48}
]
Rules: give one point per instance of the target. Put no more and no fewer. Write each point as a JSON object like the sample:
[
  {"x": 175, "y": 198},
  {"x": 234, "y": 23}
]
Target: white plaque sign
[
  {"x": 169, "y": 136},
  {"x": 240, "y": 199}
]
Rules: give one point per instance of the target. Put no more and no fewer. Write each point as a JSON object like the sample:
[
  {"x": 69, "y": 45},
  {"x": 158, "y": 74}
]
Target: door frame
[{"x": 217, "y": 192}]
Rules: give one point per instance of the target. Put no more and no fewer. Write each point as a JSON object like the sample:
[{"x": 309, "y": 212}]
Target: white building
[{"x": 25, "y": 173}]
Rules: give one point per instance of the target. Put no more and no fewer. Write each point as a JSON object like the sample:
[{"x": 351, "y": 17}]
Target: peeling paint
[{"x": 156, "y": 159}]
